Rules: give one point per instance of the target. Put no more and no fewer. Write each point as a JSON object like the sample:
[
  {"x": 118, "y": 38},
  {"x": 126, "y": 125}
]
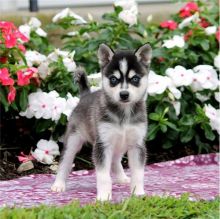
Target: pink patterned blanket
[{"x": 196, "y": 175}]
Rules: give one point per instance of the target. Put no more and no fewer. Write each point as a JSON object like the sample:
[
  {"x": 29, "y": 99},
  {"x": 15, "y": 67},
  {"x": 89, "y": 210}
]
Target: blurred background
[{"x": 48, "y": 8}]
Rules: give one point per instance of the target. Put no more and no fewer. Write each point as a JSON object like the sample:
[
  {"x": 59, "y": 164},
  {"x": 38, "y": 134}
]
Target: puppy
[{"x": 112, "y": 119}]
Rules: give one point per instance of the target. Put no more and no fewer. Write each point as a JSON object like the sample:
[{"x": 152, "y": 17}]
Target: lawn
[{"x": 135, "y": 208}]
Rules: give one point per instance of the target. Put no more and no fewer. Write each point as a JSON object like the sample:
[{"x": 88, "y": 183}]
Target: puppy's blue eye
[
  {"x": 113, "y": 81},
  {"x": 135, "y": 80}
]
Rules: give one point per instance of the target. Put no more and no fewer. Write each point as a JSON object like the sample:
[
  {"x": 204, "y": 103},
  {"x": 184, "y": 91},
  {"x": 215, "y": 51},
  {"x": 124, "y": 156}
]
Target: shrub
[{"x": 183, "y": 84}]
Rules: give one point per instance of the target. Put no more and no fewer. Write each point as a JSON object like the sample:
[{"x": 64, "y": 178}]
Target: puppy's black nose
[{"x": 124, "y": 95}]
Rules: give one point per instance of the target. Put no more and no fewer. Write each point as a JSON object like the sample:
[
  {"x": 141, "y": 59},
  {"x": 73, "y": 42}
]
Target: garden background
[{"x": 37, "y": 91}]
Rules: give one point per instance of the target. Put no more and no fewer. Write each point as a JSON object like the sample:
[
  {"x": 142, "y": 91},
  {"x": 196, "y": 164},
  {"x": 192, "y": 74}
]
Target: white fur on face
[
  {"x": 117, "y": 74},
  {"x": 131, "y": 74},
  {"x": 135, "y": 93},
  {"x": 123, "y": 65}
]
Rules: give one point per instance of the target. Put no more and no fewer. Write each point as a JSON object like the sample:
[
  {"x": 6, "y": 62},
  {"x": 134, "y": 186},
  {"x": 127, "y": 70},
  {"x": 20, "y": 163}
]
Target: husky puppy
[{"x": 112, "y": 119}]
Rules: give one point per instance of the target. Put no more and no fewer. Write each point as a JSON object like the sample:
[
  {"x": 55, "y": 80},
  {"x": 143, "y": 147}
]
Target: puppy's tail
[{"x": 82, "y": 81}]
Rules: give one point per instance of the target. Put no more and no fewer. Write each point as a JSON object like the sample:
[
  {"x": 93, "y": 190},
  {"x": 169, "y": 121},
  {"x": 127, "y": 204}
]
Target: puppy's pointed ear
[
  {"x": 144, "y": 54},
  {"x": 105, "y": 54}
]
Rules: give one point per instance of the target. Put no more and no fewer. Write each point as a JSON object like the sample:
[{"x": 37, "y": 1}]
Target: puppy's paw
[
  {"x": 122, "y": 180},
  {"x": 139, "y": 192},
  {"x": 58, "y": 186},
  {"x": 104, "y": 197}
]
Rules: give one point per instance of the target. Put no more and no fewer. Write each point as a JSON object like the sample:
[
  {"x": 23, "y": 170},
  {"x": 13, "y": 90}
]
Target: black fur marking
[
  {"x": 142, "y": 154},
  {"x": 82, "y": 81},
  {"x": 98, "y": 153}
]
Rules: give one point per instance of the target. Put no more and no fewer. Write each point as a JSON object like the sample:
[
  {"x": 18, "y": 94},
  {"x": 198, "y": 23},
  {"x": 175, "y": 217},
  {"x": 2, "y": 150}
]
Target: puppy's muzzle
[{"x": 124, "y": 95}]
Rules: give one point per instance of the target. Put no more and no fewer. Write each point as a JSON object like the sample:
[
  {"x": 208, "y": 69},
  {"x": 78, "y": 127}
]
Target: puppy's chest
[{"x": 121, "y": 137}]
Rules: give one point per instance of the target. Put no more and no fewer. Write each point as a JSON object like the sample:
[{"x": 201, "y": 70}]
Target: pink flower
[
  {"x": 188, "y": 9},
  {"x": 5, "y": 77},
  {"x": 204, "y": 23},
  {"x": 22, "y": 48},
  {"x": 24, "y": 158},
  {"x": 170, "y": 24},
  {"x": 24, "y": 77},
  {"x": 217, "y": 35},
  {"x": 188, "y": 35},
  {"x": 3, "y": 59},
  {"x": 10, "y": 34},
  {"x": 11, "y": 94}
]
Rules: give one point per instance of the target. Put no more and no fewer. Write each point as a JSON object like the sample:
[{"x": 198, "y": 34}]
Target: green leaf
[
  {"x": 205, "y": 44},
  {"x": 23, "y": 100},
  {"x": 187, "y": 120},
  {"x": 168, "y": 144},
  {"x": 171, "y": 125},
  {"x": 3, "y": 99},
  {"x": 154, "y": 116},
  {"x": 43, "y": 125},
  {"x": 163, "y": 128},
  {"x": 208, "y": 131},
  {"x": 187, "y": 135},
  {"x": 153, "y": 129}
]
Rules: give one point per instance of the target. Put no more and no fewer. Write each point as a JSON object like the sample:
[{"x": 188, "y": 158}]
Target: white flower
[
  {"x": 34, "y": 58},
  {"x": 177, "y": 106},
  {"x": 69, "y": 64},
  {"x": 214, "y": 117},
  {"x": 39, "y": 31},
  {"x": 33, "y": 25},
  {"x": 157, "y": 84},
  {"x": 34, "y": 22},
  {"x": 127, "y": 5},
  {"x": 95, "y": 79},
  {"x": 210, "y": 30},
  {"x": 44, "y": 70},
  {"x": 45, "y": 105},
  {"x": 180, "y": 76},
  {"x": 71, "y": 103},
  {"x": 68, "y": 13},
  {"x": 217, "y": 61},
  {"x": 186, "y": 22},
  {"x": 73, "y": 33},
  {"x": 205, "y": 77},
  {"x": 128, "y": 16},
  {"x": 46, "y": 151},
  {"x": 173, "y": 90},
  {"x": 175, "y": 41},
  {"x": 201, "y": 97},
  {"x": 25, "y": 29},
  {"x": 149, "y": 18},
  {"x": 94, "y": 88},
  {"x": 217, "y": 96}
]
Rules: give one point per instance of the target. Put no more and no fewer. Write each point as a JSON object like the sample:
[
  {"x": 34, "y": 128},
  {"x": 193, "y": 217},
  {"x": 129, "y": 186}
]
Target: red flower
[
  {"x": 172, "y": 25},
  {"x": 188, "y": 9},
  {"x": 22, "y": 48},
  {"x": 3, "y": 59},
  {"x": 204, "y": 23},
  {"x": 161, "y": 59},
  {"x": 24, "y": 77},
  {"x": 5, "y": 77},
  {"x": 188, "y": 35},
  {"x": 10, "y": 33},
  {"x": 217, "y": 35},
  {"x": 11, "y": 94}
]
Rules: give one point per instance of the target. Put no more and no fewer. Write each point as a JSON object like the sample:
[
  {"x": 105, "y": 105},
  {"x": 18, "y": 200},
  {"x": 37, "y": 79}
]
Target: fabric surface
[{"x": 196, "y": 175}]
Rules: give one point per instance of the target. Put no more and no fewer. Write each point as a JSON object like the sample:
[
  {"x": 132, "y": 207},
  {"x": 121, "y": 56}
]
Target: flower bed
[{"x": 38, "y": 93}]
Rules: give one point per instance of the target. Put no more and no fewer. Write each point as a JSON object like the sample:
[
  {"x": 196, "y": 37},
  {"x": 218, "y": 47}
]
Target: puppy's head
[{"x": 125, "y": 73}]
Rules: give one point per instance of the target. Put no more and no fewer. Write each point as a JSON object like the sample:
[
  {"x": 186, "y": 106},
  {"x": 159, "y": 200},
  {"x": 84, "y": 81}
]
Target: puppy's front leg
[
  {"x": 137, "y": 158},
  {"x": 102, "y": 156},
  {"x": 72, "y": 145}
]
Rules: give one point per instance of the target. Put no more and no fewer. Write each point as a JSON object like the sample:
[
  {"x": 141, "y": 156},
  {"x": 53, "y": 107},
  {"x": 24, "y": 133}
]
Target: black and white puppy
[{"x": 112, "y": 119}]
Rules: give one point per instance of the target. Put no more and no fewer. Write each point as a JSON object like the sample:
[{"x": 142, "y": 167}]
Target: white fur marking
[
  {"x": 117, "y": 74},
  {"x": 131, "y": 74},
  {"x": 123, "y": 65}
]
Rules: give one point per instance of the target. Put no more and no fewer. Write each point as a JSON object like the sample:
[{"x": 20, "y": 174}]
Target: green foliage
[{"x": 135, "y": 208}]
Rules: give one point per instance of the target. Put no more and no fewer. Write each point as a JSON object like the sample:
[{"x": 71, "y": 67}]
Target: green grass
[{"x": 133, "y": 208}]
